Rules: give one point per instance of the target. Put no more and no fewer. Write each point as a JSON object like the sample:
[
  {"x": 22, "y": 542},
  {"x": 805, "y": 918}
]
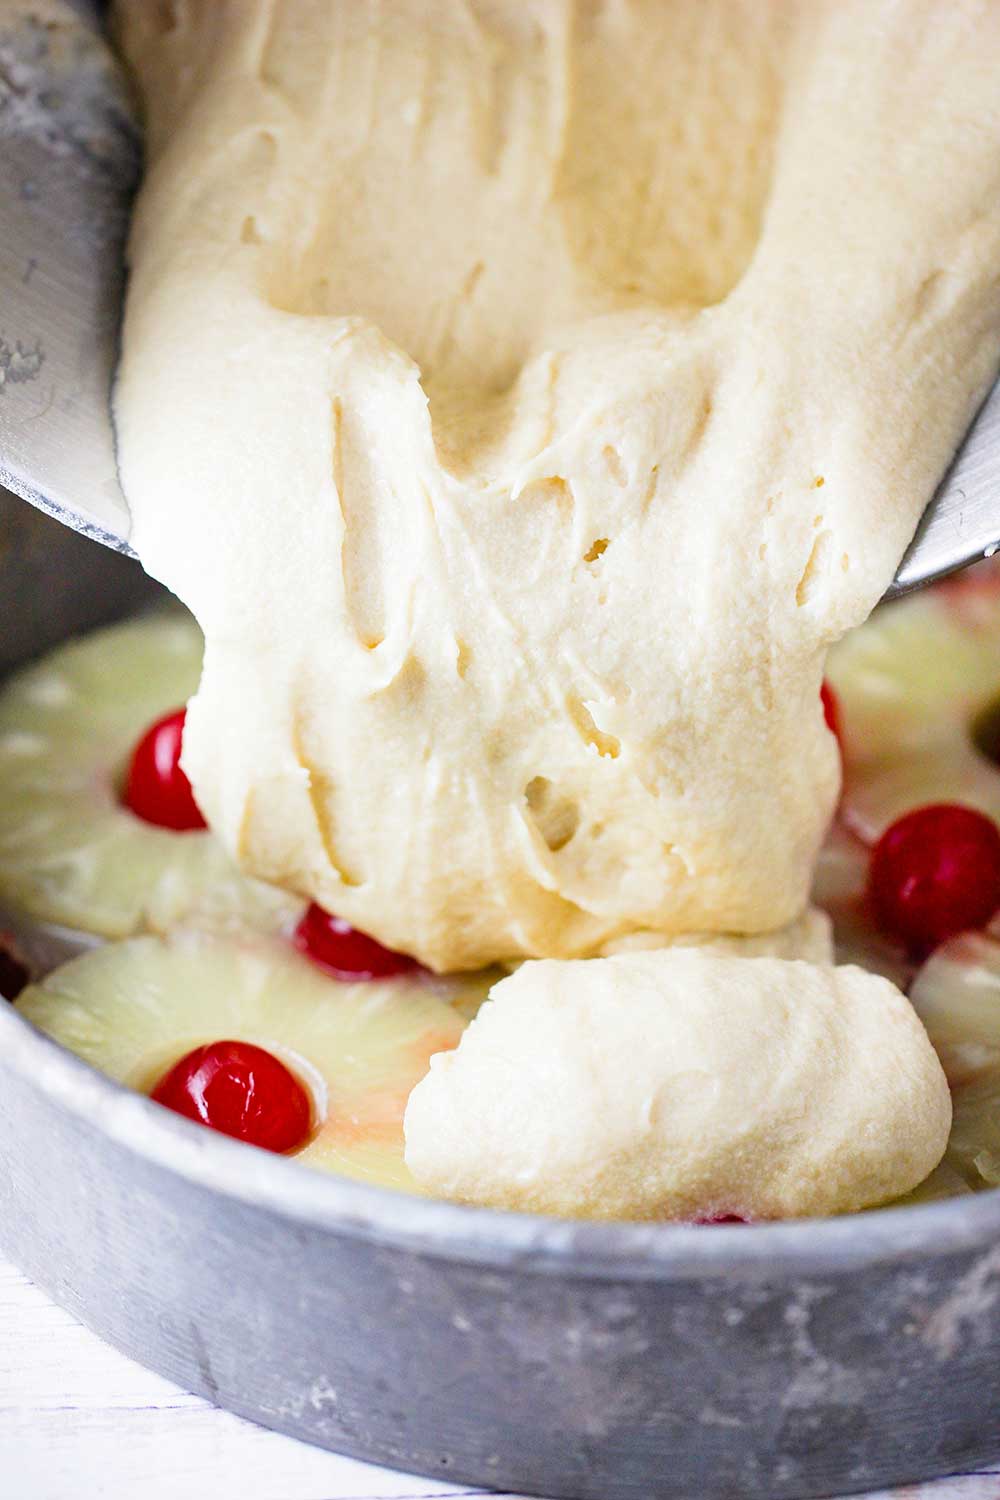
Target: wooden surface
[{"x": 80, "y": 1422}]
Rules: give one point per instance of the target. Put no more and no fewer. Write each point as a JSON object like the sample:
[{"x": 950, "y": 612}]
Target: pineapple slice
[
  {"x": 913, "y": 684},
  {"x": 132, "y": 1009},
  {"x": 70, "y": 854}
]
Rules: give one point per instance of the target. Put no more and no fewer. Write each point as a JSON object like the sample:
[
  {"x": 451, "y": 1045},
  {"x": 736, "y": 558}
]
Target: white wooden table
[{"x": 79, "y": 1421}]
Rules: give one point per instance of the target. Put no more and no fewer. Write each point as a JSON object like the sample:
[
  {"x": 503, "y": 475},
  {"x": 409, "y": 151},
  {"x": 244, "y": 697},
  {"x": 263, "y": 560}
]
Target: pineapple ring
[
  {"x": 132, "y": 1009},
  {"x": 914, "y": 682},
  {"x": 70, "y": 853}
]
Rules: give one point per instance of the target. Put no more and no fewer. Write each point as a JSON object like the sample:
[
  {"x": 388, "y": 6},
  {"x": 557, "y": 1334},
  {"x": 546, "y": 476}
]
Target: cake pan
[
  {"x": 595, "y": 1362},
  {"x": 601, "y": 1362}
]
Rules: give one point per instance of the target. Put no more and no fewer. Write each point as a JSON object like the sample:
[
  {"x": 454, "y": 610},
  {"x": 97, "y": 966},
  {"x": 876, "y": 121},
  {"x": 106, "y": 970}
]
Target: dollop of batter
[
  {"x": 683, "y": 1084},
  {"x": 523, "y": 396}
]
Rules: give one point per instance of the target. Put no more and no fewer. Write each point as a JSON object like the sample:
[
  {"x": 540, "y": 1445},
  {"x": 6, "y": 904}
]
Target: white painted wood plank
[
  {"x": 79, "y": 1419},
  {"x": 47, "y": 1359},
  {"x": 131, "y": 1454}
]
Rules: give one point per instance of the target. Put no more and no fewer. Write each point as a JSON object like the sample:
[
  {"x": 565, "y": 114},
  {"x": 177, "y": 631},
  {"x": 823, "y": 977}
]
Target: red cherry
[
  {"x": 240, "y": 1090},
  {"x": 722, "y": 1219},
  {"x": 156, "y": 788},
  {"x": 344, "y": 952},
  {"x": 831, "y": 710},
  {"x": 935, "y": 872},
  {"x": 982, "y": 579},
  {"x": 14, "y": 977}
]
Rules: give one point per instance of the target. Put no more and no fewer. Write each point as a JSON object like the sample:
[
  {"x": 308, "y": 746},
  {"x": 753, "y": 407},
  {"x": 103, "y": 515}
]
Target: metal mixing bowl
[{"x": 592, "y": 1361}]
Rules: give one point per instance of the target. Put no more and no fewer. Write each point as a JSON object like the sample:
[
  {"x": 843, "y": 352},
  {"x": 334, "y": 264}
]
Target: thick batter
[{"x": 524, "y": 396}]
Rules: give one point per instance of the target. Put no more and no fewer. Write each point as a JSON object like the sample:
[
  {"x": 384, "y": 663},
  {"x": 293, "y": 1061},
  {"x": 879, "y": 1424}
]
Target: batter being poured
[{"x": 524, "y": 396}]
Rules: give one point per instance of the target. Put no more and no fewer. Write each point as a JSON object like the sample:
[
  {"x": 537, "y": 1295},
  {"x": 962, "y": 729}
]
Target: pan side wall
[{"x": 527, "y": 1378}]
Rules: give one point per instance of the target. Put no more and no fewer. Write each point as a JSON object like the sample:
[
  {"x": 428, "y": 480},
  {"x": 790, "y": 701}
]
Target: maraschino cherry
[
  {"x": 156, "y": 789},
  {"x": 340, "y": 950},
  {"x": 935, "y": 872},
  {"x": 241, "y": 1090},
  {"x": 831, "y": 711}
]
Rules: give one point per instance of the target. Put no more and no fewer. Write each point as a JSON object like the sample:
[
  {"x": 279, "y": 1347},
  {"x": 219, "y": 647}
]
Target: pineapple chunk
[
  {"x": 132, "y": 1009},
  {"x": 912, "y": 683},
  {"x": 70, "y": 853}
]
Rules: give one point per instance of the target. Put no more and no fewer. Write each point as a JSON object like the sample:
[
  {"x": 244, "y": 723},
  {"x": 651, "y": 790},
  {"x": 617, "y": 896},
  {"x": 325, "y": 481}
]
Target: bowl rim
[{"x": 492, "y": 1238}]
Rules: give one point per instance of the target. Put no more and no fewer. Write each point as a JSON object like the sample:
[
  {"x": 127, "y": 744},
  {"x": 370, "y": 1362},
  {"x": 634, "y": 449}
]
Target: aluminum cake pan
[{"x": 593, "y": 1361}]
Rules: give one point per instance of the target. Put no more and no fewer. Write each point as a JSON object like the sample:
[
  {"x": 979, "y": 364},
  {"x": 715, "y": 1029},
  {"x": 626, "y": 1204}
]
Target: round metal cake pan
[{"x": 564, "y": 1359}]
